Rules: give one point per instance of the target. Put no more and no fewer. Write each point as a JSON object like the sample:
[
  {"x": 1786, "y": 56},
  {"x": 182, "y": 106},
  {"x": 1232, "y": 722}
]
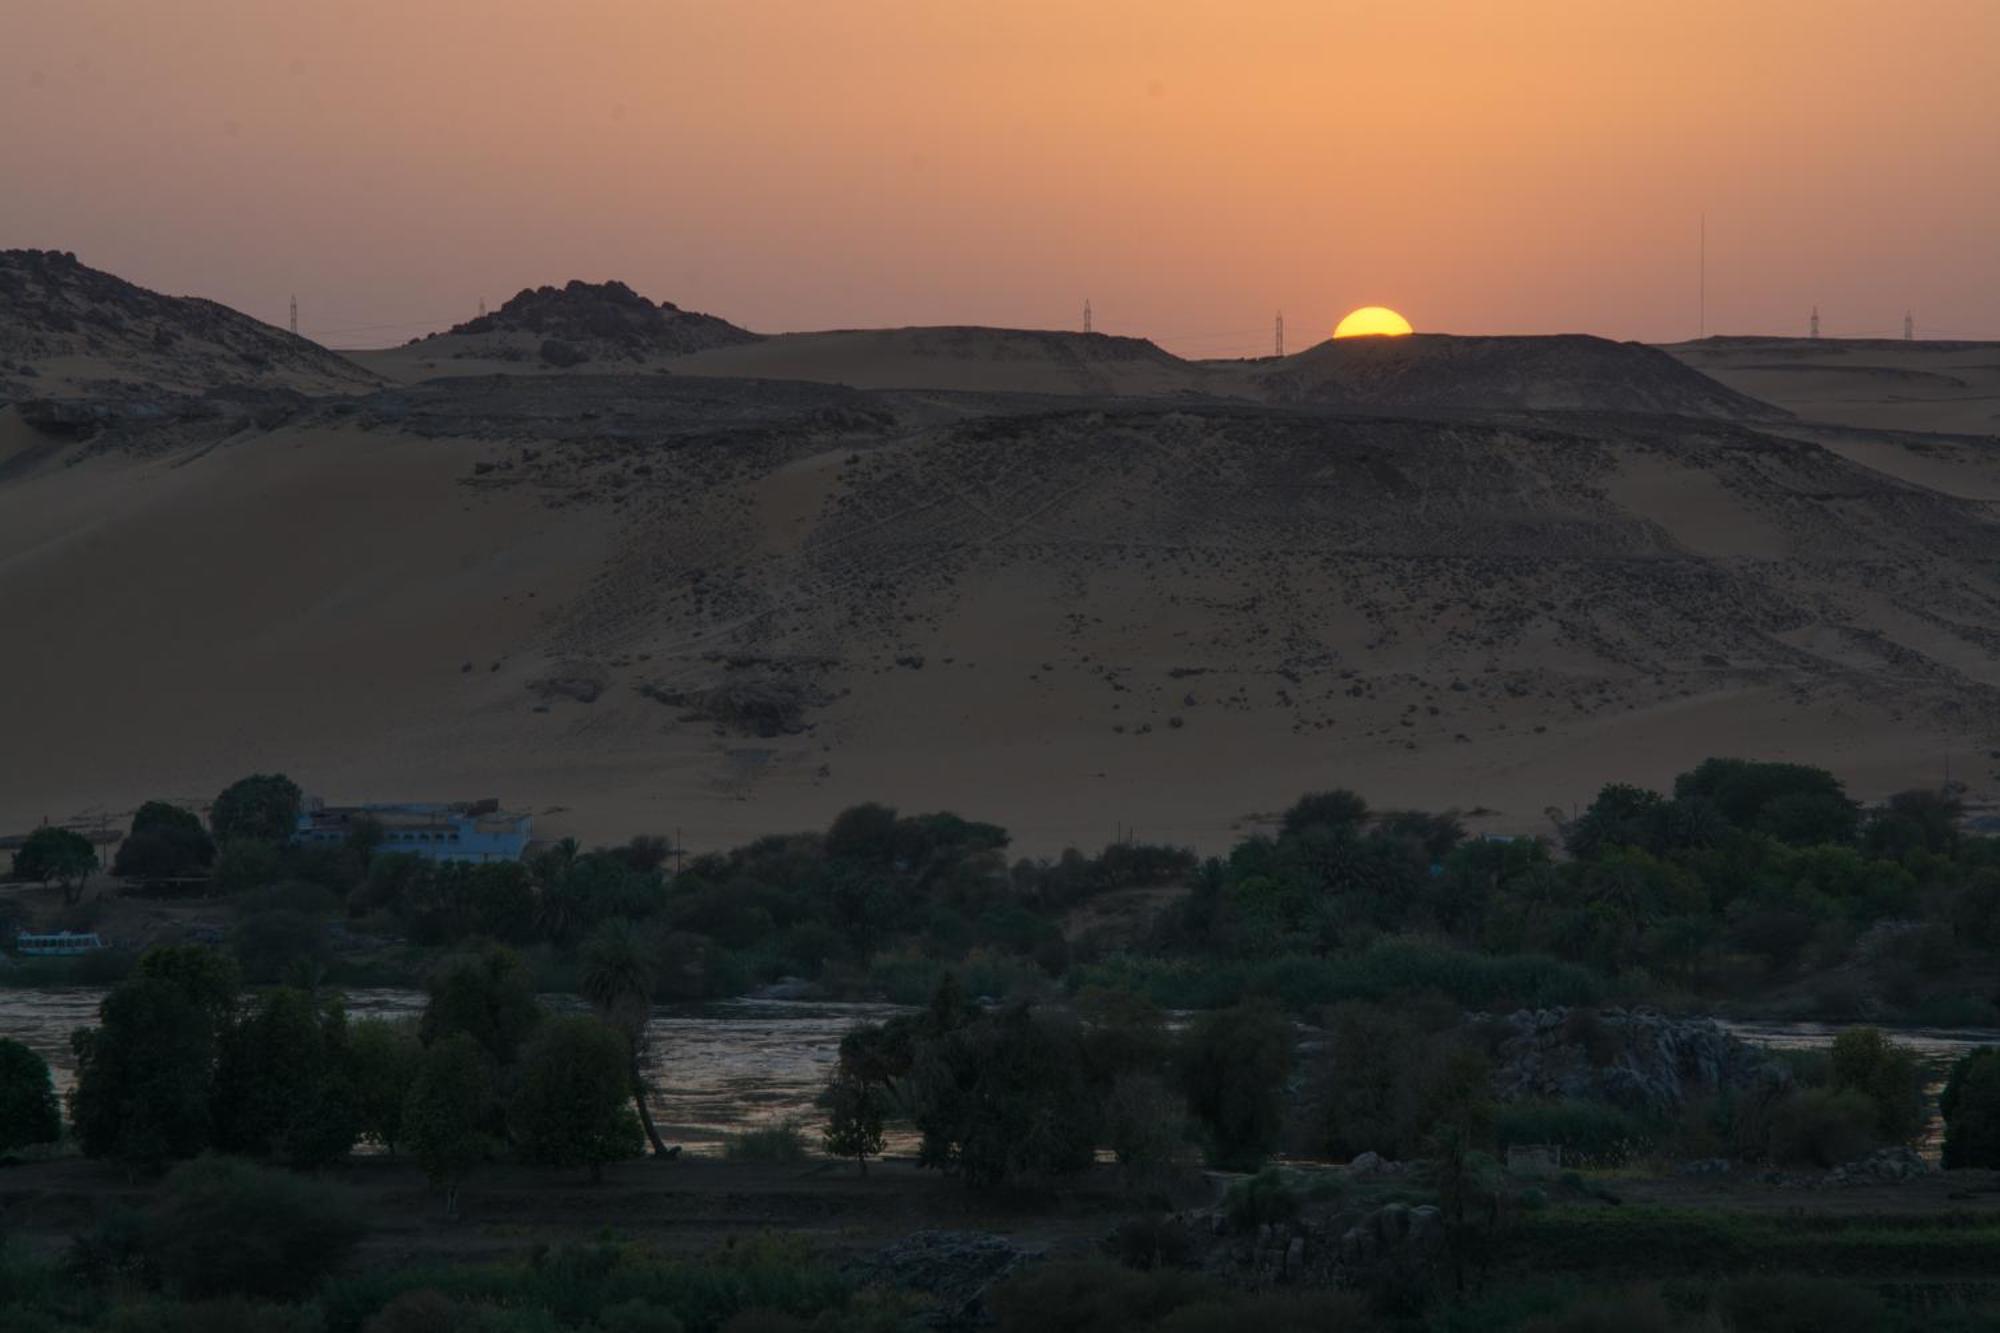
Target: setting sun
[{"x": 1373, "y": 321}]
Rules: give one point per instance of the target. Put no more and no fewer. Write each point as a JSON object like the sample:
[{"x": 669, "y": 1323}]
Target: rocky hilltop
[
  {"x": 69, "y": 331},
  {"x": 583, "y": 322}
]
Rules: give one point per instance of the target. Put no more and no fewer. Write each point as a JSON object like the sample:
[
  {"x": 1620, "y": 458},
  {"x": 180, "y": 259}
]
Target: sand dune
[
  {"x": 709, "y": 605},
  {"x": 1065, "y": 582}
]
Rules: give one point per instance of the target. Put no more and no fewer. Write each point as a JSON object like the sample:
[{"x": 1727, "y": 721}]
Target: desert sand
[{"x": 1072, "y": 585}]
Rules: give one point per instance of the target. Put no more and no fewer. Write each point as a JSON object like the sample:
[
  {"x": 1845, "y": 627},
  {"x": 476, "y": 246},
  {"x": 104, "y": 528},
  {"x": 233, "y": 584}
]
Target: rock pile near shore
[{"x": 1638, "y": 1059}]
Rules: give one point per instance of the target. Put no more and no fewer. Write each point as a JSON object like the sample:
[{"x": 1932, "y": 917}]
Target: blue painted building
[{"x": 466, "y": 831}]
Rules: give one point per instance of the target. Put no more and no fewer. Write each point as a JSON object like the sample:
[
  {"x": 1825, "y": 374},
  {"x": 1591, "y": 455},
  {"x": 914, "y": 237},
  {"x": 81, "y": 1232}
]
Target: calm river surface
[
  {"x": 717, "y": 1068},
  {"x": 713, "y": 1069}
]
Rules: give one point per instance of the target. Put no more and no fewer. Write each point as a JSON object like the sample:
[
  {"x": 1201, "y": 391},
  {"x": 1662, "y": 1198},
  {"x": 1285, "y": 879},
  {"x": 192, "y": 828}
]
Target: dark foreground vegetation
[
  {"x": 1138, "y": 1066},
  {"x": 1755, "y": 886}
]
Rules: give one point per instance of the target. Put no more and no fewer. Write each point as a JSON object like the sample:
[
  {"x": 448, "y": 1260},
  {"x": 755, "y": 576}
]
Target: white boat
[{"x": 60, "y": 944}]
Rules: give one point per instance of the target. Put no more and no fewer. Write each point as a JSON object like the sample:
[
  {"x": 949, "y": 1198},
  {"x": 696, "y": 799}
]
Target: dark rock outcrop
[
  {"x": 86, "y": 333},
  {"x": 1638, "y": 1059},
  {"x": 595, "y": 321}
]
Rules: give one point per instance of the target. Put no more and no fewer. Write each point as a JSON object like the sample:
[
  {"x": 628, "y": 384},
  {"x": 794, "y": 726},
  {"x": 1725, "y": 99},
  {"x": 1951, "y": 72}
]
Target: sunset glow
[{"x": 1191, "y": 167}]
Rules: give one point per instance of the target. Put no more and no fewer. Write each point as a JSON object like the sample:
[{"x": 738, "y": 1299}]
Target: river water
[
  {"x": 711, "y": 1069},
  {"x": 717, "y": 1068}
]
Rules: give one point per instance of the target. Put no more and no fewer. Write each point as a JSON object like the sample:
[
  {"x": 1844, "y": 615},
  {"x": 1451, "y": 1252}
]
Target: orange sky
[{"x": 1477, "y": 164}]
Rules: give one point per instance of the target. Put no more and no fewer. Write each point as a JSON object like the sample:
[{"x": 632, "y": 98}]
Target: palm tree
[{"x": 617, "y": 980}]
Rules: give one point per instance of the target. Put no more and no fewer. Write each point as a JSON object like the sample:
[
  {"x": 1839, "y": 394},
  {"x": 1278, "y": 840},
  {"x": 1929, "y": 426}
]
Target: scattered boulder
[
  {"x": 954, "y": 1268},
  {"x": 1884, "y": 1165},
  {"x": 1394, "y": 1238}
]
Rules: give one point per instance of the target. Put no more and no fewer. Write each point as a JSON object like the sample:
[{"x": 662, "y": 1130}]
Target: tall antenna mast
[
  {"x": 1813, "y": 327},
  {"x": 1701, "y": 282},
  {"x": 295, "y": 316},
  {"x": 482, "y": 307},
  {"x": 1909, "y": 327},
  {"x": 1086, "y": 314},
  {"x": 1281, "y": 333}
]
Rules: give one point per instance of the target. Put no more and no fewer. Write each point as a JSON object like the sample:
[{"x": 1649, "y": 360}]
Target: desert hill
[
  {"x": 1919, "y": 385},
  {"x": 638, "y": 601},
  {"x": 68, "y": 331},
  {"x": 589, "y": 325},
  {"x": 967, "y": 358},
  {"x": 1563, "y": 373},
  {"x": 1062, "y": 581}
]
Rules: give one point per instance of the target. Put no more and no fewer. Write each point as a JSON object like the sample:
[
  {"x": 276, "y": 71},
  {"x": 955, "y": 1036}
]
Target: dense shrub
[
  {"x": 220, "y": 1226},
  {"x": 165, "y": 842},
  {"x": 1591, "y": 1134},
  {"x": 1392, "y": 1075},
  {"x": 284, "y": 1084},
  {"x": 143, "y": 1074},
  {"x": 782, "y": 1142},
  {"x": 488, "y": 995},
  {"x": 1867, "y": 1062},
  {"x": 28, "y": 1113},
  {"x": 1970, "y": 1104},
  {"x": 1233, "y": 1068},
  {"x": 384, "y": 1056},
  {"x": 568, "y": 1106},
  {"x": 1002, "y": 1096},
  {"x": 1822, "y": 1127},
  {"x": 262, "y": 808}
]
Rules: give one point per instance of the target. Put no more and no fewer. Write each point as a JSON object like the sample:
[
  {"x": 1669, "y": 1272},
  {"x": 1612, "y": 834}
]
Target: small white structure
[{"x": 60, "y": 944}]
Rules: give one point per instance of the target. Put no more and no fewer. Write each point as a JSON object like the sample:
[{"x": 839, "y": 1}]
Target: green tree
[
  {"x": 1394, "y": 1074},
  {"x": 1970, "y": 1104},
  {"x": 246, "y": 864},
  {"x": 1794, "y": 803},
  {"x": 1333, "y": 810},
  {"x": 384, "y": 1056},
  {"x": 568, "y": 1105},
  {"x": 59, "y": 854},
  {"x": 207, "y": 976},
  {"x": 854, "y": 1117},
  {"x": 488, "y": 995},
  {"x": 449, "y": 1116},
  {"x": 261, "y": 808},
  {"x": 143, "y": 1075},
  {"x": 1002, "y": 1096},
  {"x": 28, "y": 1111},
  {"x": 618, "y": 979},
  {"x": 1233, "y": 1068},
  {"x": 165, "y": 842},
  {"x": 284, "y": 1084},
  {"x": 1867, "y": 1062}
]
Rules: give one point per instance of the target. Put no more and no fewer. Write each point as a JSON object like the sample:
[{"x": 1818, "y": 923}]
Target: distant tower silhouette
[
  {"x": 1281, "y": 333},
  {"x": 295, "y": 316},
  {"x": 1701, "y": 280},
  {"x": 1813, "y": 328},
  {"x": 1909, "y": 327},
  {"x": 482, "y": 307},
  {"x": 1086, "y": 314}
]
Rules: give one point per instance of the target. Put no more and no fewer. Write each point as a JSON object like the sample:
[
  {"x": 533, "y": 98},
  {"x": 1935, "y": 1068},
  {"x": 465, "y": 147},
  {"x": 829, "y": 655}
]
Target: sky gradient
[{"x": 1190, "y": 167}]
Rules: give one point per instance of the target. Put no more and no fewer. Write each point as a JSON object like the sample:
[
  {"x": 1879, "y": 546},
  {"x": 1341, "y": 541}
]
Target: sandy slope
[
  {"x": 1067, "y": 582},
  {"x": 1065, "y": 620},
  {"x": 1951, "y": 387}
]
